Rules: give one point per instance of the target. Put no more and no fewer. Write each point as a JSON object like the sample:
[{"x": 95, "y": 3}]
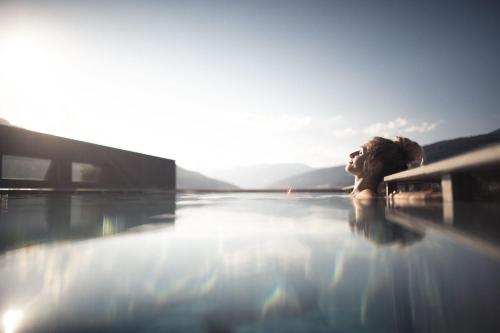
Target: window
[
  {"x": 85, "y": 173},
  {"x": 25, "y": 168}
]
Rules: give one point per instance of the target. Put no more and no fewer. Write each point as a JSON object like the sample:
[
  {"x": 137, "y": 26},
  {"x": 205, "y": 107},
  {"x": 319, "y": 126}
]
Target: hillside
[
  {"x": 448, "y": 148},
  {"x": 190, "y": 180},
  {"x": 260, "y": 175},
  {"x": 333, "y": 177}
]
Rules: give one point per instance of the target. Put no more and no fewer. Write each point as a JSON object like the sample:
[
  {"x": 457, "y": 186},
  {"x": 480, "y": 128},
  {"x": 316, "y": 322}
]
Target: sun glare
[
  {"x": 11, "y": 320},
  {"x": 24, "y": 51},
  {"x": 30, "y": 70}
]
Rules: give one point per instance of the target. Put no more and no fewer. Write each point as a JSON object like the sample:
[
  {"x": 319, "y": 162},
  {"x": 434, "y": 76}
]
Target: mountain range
[
  {"x": 448, "y": 148},
  {"x": 302, "y": 176},
  {"x": 295, "y": 175},
  {"x": 259, "y": 175},
  {"x": 333, "y": 177},
  {"x": 191, "y": 180}
]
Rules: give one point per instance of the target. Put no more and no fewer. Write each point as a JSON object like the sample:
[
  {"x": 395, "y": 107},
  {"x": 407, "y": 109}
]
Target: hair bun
[{"x": 412, "y": 151}]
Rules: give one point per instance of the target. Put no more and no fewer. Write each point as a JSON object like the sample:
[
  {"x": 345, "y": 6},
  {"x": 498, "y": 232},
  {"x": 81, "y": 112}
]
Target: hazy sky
[{"x": 216, "y": 84}]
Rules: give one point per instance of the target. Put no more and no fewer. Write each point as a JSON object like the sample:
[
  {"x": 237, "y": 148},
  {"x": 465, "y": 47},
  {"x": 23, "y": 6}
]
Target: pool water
[{"x": 246, "y": 262}]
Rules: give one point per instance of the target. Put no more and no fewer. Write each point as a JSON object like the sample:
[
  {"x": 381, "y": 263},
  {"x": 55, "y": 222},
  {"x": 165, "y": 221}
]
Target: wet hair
[{"x": 394, "y": 156}]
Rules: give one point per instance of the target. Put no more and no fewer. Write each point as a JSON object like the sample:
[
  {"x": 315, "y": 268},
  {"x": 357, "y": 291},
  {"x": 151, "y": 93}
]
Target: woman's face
[{"x": 357, "y": 159}]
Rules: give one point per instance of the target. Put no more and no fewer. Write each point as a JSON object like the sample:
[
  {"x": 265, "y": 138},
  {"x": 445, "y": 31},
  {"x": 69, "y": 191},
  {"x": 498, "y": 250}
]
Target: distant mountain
[
  {"x": 448, "y": 148},
  {"x": 260, "y": 176},
  {"x": 190, "y": 180},
  {"x": 302, "y": 176},
  {"x": 5, "y": 122},
  {"x": 335, "y": 177}
]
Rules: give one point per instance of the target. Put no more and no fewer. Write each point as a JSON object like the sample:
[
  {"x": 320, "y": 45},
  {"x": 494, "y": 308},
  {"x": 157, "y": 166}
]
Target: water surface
[{"x": 246, "y": 263}]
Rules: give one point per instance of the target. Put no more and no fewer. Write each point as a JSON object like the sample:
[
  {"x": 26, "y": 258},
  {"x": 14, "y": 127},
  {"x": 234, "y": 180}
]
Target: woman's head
[{"x": 380, "y": 157}]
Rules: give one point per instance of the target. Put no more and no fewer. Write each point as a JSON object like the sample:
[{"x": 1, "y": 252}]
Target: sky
[{"x": 218, "y": 84}]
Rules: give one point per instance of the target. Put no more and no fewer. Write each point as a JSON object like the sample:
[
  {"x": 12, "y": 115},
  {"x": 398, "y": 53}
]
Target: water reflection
[
  {"x": 249, "y": 263},
  {"x": 26, "y": 220},
  {"x": 369, "y": 220}
]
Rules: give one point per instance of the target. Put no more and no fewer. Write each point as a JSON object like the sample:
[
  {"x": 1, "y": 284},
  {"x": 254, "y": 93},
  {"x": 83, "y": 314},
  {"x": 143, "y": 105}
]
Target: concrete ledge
[
  {"x": 470, "y": 176},
  {"x": 475, "y": 160}
]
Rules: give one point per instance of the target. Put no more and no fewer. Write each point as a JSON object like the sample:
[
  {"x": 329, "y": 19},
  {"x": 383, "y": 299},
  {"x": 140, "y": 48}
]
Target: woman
[{"x": 378, "y": 158}]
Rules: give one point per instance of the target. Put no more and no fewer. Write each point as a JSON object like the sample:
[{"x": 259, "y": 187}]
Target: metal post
[
  {"x": 389, "y": 188},
  {"x": 447, "y": 187}
]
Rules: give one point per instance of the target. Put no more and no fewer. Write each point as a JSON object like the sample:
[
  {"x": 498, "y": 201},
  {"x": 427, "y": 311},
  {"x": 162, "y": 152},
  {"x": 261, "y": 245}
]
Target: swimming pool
[{"x": 246, "y": 262}]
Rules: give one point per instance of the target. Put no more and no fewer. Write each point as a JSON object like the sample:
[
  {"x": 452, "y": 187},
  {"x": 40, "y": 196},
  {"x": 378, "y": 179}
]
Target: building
[{"x": 41, "y": 161}]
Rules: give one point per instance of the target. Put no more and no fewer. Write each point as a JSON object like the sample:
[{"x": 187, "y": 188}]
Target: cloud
[
  {"x": 421, "y": 128},
  {"x": 345, "y": 132},
  {"x": 384, "y": 128},
  {"x": 335, "y": 118},
  {"x": 399, "y": 126}
]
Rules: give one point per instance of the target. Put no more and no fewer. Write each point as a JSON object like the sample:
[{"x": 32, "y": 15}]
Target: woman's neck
[{"x": 364, "y": 187}]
